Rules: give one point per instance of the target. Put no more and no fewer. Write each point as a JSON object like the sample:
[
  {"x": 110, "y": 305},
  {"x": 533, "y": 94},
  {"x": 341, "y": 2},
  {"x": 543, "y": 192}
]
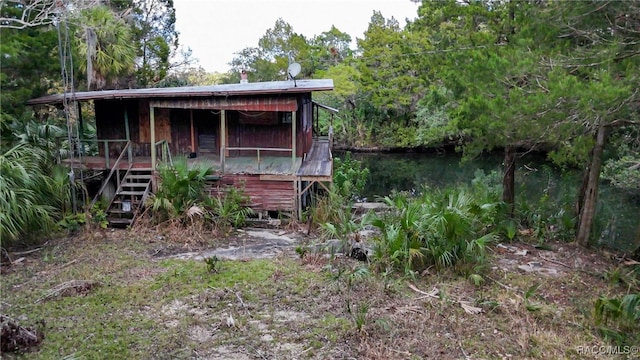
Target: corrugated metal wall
[{"x": 264, "y": 194}]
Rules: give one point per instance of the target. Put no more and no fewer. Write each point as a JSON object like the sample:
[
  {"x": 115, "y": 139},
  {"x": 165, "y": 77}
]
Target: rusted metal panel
[{"x": 263, "y": 194}]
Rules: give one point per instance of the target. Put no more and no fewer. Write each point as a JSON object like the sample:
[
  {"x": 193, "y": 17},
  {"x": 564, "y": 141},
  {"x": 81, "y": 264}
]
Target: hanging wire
[
  {"x": 78, "y": 110},
  {"x": 252, "y": 113},
  {"x": 64, "y": 53}
]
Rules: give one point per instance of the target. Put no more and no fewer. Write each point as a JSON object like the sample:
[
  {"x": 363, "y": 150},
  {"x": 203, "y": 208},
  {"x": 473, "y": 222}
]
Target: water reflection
[{"x": 617, "y": 215}]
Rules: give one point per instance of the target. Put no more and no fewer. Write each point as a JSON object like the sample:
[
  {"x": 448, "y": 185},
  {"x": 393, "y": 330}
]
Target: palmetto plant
[
  {"x": 34, "y": 192},
  {"x": 439, "y": 228},
  {"x": 229, "y": 210},
  {"x": 104, "y": 40},
  {"x": 181, "y": 186},
  {"x": 28, "y": 202},
  {"x": 619, "y": 318},
  {"x": 456, "y": 227}
]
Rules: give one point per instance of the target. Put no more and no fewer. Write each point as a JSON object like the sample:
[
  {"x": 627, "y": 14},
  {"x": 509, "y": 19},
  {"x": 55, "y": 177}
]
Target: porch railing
[
  {"x": 92, "y": 147},
  {"x": 257, "y": 150},
  {"x": 126, "y": 148},
  {"x": 165, "y": 152}
]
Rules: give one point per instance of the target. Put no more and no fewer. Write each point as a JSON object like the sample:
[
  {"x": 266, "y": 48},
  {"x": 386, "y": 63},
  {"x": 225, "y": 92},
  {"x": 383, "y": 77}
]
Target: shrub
[
  {"x": 618, "y": 319},
  {"x": 29, "y": 198},
  {"x": 349, "y": 177},
  {"x": 333, "y": 211},
  {"x": 440, "y": 228},
  {"x": 181, "y": 187},
  {"x": 229, "y": 210}
]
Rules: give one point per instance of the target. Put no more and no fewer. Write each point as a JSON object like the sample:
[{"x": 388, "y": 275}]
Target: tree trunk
[
  {"x": 637, "y": 239},
  {"x": 590, "y": 195},
  {"x": 508, "y": 180},
  {"x": 583, "y": 190}
]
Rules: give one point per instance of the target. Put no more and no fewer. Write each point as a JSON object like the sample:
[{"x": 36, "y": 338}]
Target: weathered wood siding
[
  {"x": 244, "y": 129},
  {"x": 264, "y": 194},
  {"x": 243, "y": 133},
  {"x": 207, "y": 131},
  {"x": 142, "y": 148},
  {"x": 305, "y": 132},
  {"x": 180, "y": 132},
  {"x": 110, "y": 124},
  {"x": 162, "y": 118}
]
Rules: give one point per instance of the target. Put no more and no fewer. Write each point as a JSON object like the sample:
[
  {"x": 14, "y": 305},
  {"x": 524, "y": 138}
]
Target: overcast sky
[{"x": 216, "y": 29}]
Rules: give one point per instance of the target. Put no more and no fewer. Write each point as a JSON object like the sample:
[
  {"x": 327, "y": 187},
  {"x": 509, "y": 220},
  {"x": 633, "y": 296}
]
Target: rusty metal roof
[{"x": 257, "y": 88}]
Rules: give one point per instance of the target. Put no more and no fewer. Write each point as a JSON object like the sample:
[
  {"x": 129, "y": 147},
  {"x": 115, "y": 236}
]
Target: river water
[{"x": 617, "y": 215}]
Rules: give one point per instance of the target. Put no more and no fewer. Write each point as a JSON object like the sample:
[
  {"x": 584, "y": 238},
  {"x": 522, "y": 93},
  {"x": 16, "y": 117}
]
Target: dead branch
[
  {"x": 34, "y": 13},
  {"x": 71, "y": 287},
  {"x": 26, "y": 252},
  {"x": 432, "y": 294},
  {"x": 555, "y": 262},
  {"x": 244, "y": 306}
]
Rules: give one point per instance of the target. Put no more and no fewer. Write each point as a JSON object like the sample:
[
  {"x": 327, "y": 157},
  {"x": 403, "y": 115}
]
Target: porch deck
[{"x": 316, "y": 164}]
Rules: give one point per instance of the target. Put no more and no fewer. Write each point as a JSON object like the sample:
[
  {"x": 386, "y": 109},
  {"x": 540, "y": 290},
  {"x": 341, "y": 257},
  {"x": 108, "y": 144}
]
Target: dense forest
[{"x": 555, "y": 77}]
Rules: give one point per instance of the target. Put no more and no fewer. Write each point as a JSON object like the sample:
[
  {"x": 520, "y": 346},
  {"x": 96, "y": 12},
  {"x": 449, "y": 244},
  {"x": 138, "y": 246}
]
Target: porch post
[
  {"x": 223, "y": 140},
  {"x": 81, "y": 127},
  {"x": 152, "y": 124},
  {"x": 293, "y": 142},
  {"x": 193, "y": 133},
  {"x": 127, "y": 133}
]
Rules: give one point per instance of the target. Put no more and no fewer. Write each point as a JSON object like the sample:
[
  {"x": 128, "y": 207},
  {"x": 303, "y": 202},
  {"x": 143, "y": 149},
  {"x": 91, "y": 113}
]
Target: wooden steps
[{"x": 130, "y": 196}]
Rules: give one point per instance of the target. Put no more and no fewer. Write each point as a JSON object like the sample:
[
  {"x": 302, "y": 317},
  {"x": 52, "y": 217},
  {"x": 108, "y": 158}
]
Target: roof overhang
[{"x": 215, "y": 91}]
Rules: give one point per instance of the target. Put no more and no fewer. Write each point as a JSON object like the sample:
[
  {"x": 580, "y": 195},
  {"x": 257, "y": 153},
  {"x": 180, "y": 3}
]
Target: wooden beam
[
  {"x": 223, "y": 135},
  {"x": 317, "y": 178},
  {"x": 273, "y": 177},
  {"x": 298, "y": 208},
  {"x": 293, "y": 142},
  {"x": 193, "y": 133},
  {"x": 307, "y": 188},
  {"x": 127, "y": 132},
  {"x": 152, "y": 130},
  {"x": 323, "y": 185},
  {"x": 316, "y": 181}
]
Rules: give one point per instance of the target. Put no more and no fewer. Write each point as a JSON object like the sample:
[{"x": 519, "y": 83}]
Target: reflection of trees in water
[
  {"x": 412, "y": 171},
  {"x": 616, "y": 220}
]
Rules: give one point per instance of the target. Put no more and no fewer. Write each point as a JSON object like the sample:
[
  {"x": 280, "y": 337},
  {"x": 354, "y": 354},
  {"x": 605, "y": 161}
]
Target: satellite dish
[{"x": 294, "y": 70}]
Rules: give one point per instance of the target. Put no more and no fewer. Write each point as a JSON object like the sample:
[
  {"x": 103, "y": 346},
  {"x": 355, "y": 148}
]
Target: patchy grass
[{"x": 141, "y": 305}]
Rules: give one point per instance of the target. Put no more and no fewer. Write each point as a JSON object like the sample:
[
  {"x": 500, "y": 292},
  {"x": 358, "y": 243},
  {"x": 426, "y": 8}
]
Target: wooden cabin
[{"x": 263, "y": 137}]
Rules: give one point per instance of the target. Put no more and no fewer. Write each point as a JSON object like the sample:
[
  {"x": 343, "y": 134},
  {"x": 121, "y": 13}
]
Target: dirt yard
[{"x": 148, "y": 295}]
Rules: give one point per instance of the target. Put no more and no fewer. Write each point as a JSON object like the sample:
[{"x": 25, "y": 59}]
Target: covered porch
[{"x": 317, "y": 163}]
